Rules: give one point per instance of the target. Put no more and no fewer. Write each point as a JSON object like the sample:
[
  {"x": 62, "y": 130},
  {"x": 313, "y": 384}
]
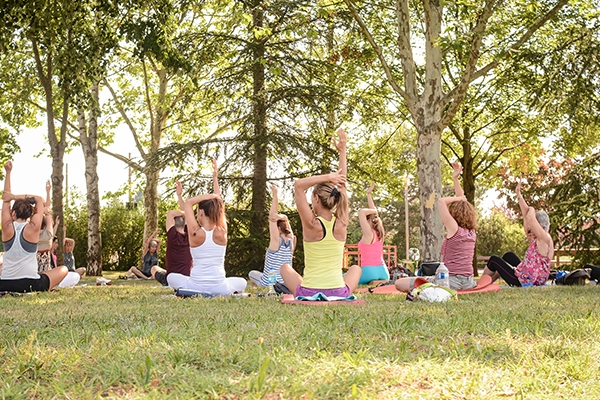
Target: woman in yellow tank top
[{"x": 324, "y": 229}]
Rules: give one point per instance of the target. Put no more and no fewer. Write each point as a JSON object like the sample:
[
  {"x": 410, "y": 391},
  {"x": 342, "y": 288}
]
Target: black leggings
[{"x": 505, "y": 266}]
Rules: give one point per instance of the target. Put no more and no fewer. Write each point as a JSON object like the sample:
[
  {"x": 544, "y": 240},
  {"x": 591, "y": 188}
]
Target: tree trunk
[
  {"x": 430, "y": 189},
  {"x": 468, "y": 180},
  {"x": 152, "y": 174},
  {"x": 259, "y": 177},
  {"x": 57, "y": 145},
  {"x": 89, "y": 145}
]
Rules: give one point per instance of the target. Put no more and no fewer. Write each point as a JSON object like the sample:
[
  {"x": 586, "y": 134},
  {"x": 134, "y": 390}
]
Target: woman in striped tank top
[
  {"x": 458, "y": 248},
  {"x": 281, "y": 246},
  {"x": 324, "y": 230}
]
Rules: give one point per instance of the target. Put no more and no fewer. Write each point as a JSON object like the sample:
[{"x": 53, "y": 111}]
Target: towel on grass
[{"x": 320, "y": 299}]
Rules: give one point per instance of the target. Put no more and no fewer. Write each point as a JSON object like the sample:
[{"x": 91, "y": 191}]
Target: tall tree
[
  {"x": 67, "y": 45},
  {"x": 422, "y": 80},
  {"x": 155, "y": 89},
  {"x": 45, "y": 31}
]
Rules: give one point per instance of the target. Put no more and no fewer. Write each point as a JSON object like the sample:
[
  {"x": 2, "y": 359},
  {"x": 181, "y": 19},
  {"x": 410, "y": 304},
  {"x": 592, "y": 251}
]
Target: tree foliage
[
  {"x": 498, "y": 234},
  {"x": 576, "y": 210}
]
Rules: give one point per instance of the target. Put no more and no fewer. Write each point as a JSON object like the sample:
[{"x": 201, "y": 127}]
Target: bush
[
  {"x": 122, "y": 231},
  {"x": 497, "y": 234}
]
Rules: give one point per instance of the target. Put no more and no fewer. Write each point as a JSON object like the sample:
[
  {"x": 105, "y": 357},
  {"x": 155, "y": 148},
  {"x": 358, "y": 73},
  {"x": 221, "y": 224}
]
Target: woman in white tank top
[
  {"x": 20, "y": 233},
  {"x": 208, "y": 242}
]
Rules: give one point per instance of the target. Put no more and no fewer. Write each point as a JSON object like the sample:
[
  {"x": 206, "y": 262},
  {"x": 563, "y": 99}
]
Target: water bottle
[
  {"x": 272, "y": 279},
  {"x": 442, "y": 276}
]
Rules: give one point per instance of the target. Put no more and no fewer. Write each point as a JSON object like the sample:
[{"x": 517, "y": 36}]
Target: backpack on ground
[{"x": 576, "y": 277}]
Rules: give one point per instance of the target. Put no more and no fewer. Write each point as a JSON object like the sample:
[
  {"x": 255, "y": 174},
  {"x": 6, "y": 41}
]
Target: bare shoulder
[{"x": 220, "y": 236}]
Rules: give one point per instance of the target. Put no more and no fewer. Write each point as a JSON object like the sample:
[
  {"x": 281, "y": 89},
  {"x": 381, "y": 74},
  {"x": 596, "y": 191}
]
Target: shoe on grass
[{"x": 103, "y": 282}]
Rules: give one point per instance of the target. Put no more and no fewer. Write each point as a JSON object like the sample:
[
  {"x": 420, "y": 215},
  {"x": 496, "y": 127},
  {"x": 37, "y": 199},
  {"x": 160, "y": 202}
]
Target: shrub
[{"x": 497, "y": 234}]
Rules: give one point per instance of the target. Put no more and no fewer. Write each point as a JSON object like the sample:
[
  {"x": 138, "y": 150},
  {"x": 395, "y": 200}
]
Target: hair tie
[{"x": 335, "y": 192}]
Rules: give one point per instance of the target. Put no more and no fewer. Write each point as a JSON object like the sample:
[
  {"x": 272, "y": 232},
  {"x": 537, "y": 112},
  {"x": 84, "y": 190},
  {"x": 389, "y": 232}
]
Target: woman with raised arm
[
  {"x": 458, "y": 248},
  {"x": 47, "y": 232},
  {"x": 370, "y": 245},
  {"x": 208, "y": 243},
  {"x": 534, "y": 269},
  {"x": 324, "y": 229},
  {"x": 281, "y": 245},
  {"x": 149, "y": 259},
  {"x": 20, "y": 234}
]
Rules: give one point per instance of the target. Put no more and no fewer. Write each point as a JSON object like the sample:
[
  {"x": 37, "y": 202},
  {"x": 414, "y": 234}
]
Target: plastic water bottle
[
  {"x": 272, "y": 278},
  {"x": 442, "y": 276}
]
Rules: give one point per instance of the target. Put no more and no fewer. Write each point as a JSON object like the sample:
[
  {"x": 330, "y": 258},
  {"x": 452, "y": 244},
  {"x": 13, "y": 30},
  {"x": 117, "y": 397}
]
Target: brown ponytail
[{"x": 333, "y": 199}]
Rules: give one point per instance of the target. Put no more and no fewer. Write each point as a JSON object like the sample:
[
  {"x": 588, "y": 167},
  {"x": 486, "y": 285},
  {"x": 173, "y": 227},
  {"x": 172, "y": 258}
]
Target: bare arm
[
  {"x": 56, "y": 224},
  {"x": 302, "y": 185},
  {"x": 448, "y": 220},
  {"x": 216, "y": 187},
  {"x": 340, "y": 145},
  {"x": 31, "y": 232},
  {"x": 188, "y": 208},
  {"x": 148, "y": 239},
  {"x": 523, "y": 206},
  {"x": 179, "y": 191},
  {"x": 545, "y": 244},
  {"x": 369, "y": 197},
  {"x": 273, "y": 217},
  {"x": 7, "y": 226},
  {"x": 458, "y": 190},
  {"x": 365, "y": 225},
  {"x": 171, "y": 215}
]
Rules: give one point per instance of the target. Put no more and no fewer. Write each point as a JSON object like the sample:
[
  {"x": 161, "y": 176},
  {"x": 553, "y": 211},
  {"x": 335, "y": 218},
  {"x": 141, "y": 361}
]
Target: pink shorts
[{"x": 308, "y": 292}]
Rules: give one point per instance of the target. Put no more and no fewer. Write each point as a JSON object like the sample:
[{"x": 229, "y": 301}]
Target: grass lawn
[{"x": 136, "y": 340}]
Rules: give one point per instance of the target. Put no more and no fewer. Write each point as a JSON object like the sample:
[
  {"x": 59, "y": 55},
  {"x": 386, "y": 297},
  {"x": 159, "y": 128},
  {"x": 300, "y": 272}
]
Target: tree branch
[
  {"x": 126, "y": 119},
  {"x": 459, "y": 92},
  {"x": 406, "y": 54},
  {"x": 386, "y": 68},
  {"x": 517, "y": 45}
]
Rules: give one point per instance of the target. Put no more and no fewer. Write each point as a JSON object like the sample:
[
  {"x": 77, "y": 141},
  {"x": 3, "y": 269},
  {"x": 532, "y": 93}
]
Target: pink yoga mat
[{"x": 484, "y": 285}]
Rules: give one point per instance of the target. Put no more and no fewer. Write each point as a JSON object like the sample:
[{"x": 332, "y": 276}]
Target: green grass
[{"x": 135, "y": 340}]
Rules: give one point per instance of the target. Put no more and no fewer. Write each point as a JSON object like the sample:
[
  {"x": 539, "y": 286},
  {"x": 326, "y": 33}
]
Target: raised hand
[
  {"x": 8, "y": 166},
  {"x": 340, "y": 144},
  {"x": 215, "y": 166},
  {"x": 457, "y": 167},
  {"x": 7, "y": 196},
  {"x": 178, "y": 188},
  {"x": 48, "y": 186},
  {"x": 338, "y": 179},
  {"x": 370, "y": 189},
  {"x": 518, "y": 189},
  {"x": 273, "y": 190}
]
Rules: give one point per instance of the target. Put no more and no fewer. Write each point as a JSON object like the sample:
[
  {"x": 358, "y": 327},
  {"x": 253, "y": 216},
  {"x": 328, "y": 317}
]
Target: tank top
[
  {"x": 209, "y": 261},
  {"x": 275, "y": 259},
  {"x": 19, "y": 263},
  {"x": 45, "y": 240},
  {"x": 323, "y": 260},
  {"x": 535, "y": 268},
  {"x": 458, "y": 251},
  {"x": 371, "y": 255}
]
